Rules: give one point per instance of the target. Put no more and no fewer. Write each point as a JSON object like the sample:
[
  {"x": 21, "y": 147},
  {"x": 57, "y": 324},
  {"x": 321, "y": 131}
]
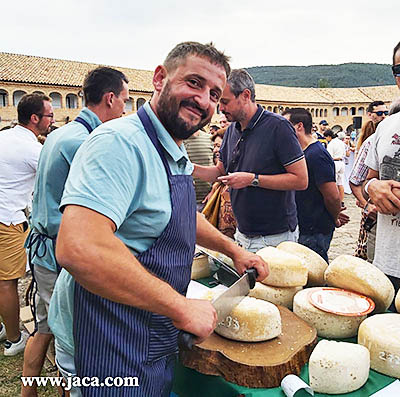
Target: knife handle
[
  {"x": 253, "y": 274},
  {"x": 185, "y": 340}
]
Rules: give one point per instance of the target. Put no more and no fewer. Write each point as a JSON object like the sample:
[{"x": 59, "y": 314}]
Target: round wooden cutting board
[{"x": 258, "y": 364}]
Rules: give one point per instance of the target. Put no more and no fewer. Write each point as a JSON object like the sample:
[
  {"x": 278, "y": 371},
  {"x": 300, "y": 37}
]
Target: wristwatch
[{"x": 255, "y": 182}]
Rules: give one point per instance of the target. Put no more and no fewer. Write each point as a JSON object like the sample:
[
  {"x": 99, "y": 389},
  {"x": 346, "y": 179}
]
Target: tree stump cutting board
[{"x": 258, "y": 364}]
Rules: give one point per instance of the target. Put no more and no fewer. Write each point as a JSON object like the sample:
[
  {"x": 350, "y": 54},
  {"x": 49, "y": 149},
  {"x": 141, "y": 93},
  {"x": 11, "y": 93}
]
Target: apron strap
[
  {"x": 84, "y": 123},
  {"x": 151, "y": 132}
]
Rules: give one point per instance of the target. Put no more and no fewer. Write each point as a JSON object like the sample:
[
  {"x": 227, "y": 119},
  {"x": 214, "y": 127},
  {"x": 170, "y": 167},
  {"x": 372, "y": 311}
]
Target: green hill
[{"x": 343, "y": 75}]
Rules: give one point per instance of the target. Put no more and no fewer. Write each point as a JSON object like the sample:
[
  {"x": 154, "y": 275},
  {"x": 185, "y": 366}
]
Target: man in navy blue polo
[
  {"x": 319, "y": 206},
  {"x": 262, "y": 162}
]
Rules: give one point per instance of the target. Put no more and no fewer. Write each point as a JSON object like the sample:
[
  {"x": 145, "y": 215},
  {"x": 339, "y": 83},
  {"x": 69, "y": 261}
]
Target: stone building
[{"x": 62, "y": 81}]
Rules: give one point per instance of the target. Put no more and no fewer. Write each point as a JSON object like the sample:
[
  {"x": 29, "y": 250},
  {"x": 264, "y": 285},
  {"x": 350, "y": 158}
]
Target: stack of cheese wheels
[
  {"x": 328, "y": 325},
  {"x": 282, "y": 296},
  {"x": 338, "y": 367},
  {"x": 355, "y": 274},
  {"x": 380, "y": 334},
  {"x": 397, "y": 301},
  {"x": 252, "y": 320},
  {"x": 286, "y": 270},
  {"x": 315, "y": 264}
]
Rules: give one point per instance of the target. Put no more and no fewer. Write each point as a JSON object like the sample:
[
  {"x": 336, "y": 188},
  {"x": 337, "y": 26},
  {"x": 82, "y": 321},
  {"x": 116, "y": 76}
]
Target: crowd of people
[{"x": 120, "y": 202}]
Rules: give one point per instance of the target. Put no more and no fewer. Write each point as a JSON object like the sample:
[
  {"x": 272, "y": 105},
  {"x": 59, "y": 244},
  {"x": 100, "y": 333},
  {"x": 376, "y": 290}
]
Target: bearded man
[{"x": 128, "y": 234}]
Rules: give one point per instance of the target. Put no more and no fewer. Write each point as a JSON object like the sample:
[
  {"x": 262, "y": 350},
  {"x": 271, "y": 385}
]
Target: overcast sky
[{"x": 139, "y": 33}]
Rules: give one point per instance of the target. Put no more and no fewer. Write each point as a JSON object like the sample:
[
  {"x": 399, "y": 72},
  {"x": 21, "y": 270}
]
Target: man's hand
[
  {"x": 342, "y": 219},
  {"x": 385, "y": 196},
  {"x": 198, "y": 317},
  {"x": 245, "y": 260},
  {"x": 237, "y": 180}
]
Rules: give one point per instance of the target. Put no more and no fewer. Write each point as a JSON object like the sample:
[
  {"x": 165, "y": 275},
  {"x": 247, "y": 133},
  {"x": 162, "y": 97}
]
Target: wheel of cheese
[
  {"x": 286, "y": 270},
  {"x": 328, "y": 325},
  {"x": 252, "y": 320},
  {"x": 277, "y": 295},
  {"x": 357, "y": 275},
  {"x": 380, "y": 334},
  {"x": 338, "y": 367},
  {"x": 397, "y": 301},
  {"x": 316, "y": 265}
]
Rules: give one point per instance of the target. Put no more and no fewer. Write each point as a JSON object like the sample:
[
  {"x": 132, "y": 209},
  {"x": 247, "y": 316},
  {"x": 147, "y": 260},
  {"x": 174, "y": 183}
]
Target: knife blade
[{"x": 224, "y": 304}]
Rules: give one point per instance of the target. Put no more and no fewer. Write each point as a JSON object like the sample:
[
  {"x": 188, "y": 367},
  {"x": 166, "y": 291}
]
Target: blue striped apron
[{"x": 117, "y": 340}]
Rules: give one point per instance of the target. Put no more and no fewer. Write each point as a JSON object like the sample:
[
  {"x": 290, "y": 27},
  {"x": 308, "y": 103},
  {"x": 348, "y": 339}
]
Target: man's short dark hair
[
  {"x": 397, "y": 48},
  {"x": 239, "y": 80},
  {"x": 329, "y": 133},
  {"x": 30, "y": 104},
  {"x": 181, "y": 51},
  {"x": 300, "y": 115},
  {"x": 101, "y": 80},
  {"x": 374, "y": 104}
]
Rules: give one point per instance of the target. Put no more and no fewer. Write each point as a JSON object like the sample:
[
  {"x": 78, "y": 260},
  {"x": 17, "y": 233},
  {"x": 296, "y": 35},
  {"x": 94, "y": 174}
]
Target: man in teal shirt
[
  {"x": 106, "y": 92},
  {"x": 128, "y": 234}
]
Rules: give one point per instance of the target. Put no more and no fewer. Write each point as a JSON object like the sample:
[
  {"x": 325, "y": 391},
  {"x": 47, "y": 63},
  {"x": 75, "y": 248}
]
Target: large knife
[{"x": 224, "y": 303}]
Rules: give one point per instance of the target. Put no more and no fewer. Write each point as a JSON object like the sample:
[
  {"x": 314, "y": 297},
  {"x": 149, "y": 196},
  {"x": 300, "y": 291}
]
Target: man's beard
[{"x": 168, "y": 113}]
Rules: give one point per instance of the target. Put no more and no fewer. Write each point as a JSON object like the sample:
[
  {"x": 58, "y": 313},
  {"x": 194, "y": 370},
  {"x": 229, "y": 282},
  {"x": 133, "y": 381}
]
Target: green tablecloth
[{"x": 190, "y": 383}]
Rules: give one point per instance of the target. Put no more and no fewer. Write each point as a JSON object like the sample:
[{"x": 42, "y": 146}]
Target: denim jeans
[
  {"x": 255, "y": 243},
  {"x": 318, "y": 242}
]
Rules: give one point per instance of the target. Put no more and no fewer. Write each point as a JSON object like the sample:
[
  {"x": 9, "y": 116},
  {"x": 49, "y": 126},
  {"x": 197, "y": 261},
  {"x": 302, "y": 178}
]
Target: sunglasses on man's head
[
  {"x": 380, "y": 113},
  {"x": 396, "y": 70}
]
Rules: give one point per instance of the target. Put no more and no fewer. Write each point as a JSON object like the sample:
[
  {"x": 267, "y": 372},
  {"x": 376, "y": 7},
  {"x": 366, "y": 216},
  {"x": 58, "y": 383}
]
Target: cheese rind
[
  {"x": 316, "y": 265},
  {"x": 328, "y": 325},
  {"x": 380, "y": 334},
  {"x": 397, "y": 301},
  {"x": 286, "y": 270},
  {"x": 357, "y": 275},
  {"x": 338, "y": 367},
  {"x": 252, "y": 320},
  {"x": 277, "y": 295}
]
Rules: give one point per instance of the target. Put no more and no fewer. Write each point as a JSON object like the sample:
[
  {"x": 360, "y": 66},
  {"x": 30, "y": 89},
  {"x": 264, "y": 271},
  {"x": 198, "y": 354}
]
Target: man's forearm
[
  {"x": 333, "y": 206},
  {"x": 357, "y": 191},
  {"x": 107, "y": 268},
  {"x": 285, "y": 181},
  {"x": 207, "y": 174}
]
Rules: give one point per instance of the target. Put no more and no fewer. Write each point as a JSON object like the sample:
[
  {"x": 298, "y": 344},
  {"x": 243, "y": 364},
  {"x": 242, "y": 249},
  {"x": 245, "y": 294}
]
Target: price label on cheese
[{"x": 341, "y": 302}]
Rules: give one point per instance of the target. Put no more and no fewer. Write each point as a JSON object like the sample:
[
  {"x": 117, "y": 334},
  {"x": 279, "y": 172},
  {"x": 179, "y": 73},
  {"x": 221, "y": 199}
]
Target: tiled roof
[
  {"x": 38, "y": 70},
  {"x": 273, "y": 93}
]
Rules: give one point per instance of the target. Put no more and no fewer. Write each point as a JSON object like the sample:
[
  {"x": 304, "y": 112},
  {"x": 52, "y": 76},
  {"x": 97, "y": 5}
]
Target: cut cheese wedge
[
  {"x": 286, "y": 270},
  {"x": 282, "y": 296},
  {"x": 380, "y": 334},
  {"x": 357, "y": 275},
  {"x": 316, "y": 265},
  {"x": 338, "y": 367},
  {"x": 252, "y": 320},
  {"x": 397, "y": 301},
  {"x": 328, "y": 325}
]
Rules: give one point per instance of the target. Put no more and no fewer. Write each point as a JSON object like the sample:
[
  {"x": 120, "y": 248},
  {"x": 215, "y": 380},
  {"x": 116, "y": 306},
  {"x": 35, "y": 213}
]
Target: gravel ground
[{"x": 345, "y": 238}]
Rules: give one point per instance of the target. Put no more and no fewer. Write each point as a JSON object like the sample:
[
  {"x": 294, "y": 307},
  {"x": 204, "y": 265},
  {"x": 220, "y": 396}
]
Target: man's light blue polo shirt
[
  {"x": 119, "y": 173},
  {"x": 53, "y": 168}
]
